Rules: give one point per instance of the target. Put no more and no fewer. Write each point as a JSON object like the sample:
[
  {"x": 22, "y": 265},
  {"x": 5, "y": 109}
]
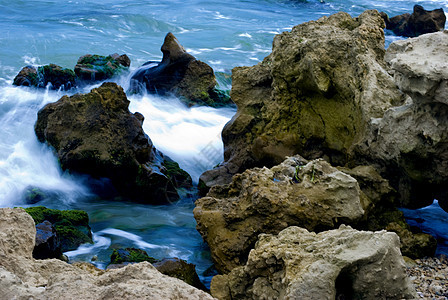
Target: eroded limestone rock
[
  {"x": 312, "y": 195},
  {"x": 313, "y": 95},
  {"x": 409, "y": 144},
  {"x": 337, "y": 264}
]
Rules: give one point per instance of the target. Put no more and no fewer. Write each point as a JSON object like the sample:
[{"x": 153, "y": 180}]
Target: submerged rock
[
  {"x": 181, "y": 74},
  {"x": 93, "y": 68},
  {"x": 337, "y": 264},
  {"x": 421, "y": 21},
  {"x": 409, "y": 144},
  {"x": 96, "y": 134},
  {"x": 41, "y": 77},
  {"x": 71, "y": 226},
  {"x": 312, "y": 195},
  {"x": 23, "y": 277},
  {"x": 313, "y": 95}
]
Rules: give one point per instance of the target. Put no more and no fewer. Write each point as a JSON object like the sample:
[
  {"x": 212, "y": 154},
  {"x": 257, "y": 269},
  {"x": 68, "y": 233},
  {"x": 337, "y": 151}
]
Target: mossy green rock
[
  {"x": 60, "y": 78},
  {"x": 97, "y": 67},
  {"x": 120, "y": 256},
  {"x": 72, "y": 226},
  {"x": 96, "y": 134},
  {"x": 313, "y": 95}
]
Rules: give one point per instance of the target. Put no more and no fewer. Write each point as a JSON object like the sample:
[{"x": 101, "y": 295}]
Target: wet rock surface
[
  {"x": 313, "y": 95},
  {"x": 96, "y": 134},
  {"x": 336, "y": 264},
  {"x": 421, "y": 21},
  {"x": 94, "y": 68},
  {"x": 50, "y": 75},
  {"x": 181, "y": 74}
]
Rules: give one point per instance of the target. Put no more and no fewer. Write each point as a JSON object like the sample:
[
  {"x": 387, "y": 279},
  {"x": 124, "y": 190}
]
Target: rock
[
  {"x": 181, "y": 74},
  {"x": 93, "y": 68},
  {"x": 22, "y": 277},
  {"x": 47, "y": 242},
  {"x": 337, "y": 264},
  {"x": 315, "y": 196},
  {"x": 409, "y": 144},
  {"x": 180, "y": 269},
  {"x": 71, "y": 227},
  {"x": 313, "y": 95},
  {"x": 56, "y": 76},
  {"x": 414, "y": 245},
  {"x": 96, "y": 134},
  {"x": 120, "y": 256},
  {"x": 421, "y": 21}
]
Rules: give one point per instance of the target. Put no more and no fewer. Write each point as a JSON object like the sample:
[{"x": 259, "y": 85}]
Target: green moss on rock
[
  {"x": 120, "y": 256},
  {"x": 72, "y": 226}
]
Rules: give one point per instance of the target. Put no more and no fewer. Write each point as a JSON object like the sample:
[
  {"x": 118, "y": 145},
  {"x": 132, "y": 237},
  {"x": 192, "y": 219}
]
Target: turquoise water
[{"x": 223, "y": 33}]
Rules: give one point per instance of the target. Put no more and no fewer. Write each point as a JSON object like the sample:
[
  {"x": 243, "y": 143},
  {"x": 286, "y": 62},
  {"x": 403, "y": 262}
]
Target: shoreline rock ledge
[
  {"x": 96, "y": 134},
  {"x": 338, "y": 264},
  {"x": 22, "y": 277}
]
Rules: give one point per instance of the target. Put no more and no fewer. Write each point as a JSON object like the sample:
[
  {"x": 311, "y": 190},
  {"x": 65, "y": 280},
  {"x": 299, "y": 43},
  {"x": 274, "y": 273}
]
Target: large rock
[
  {"x": 409, "y": 144},
  {"x": 181, "y": 74},
  {"x": 93, "y": 68},
  {"x": 96, "y": 134},
  {"x": 421, "y": 21},
  {"x": 315, "y": 196},
  {"x": 22, "y": 277},
  {"x": 50, "y": 75},
  {"x": 337, "y": 264},
  {"x": 313, "y": 95}
]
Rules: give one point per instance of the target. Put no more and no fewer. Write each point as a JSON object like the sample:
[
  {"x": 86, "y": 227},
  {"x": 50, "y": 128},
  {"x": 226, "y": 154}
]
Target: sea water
[{"x": 224, "y": 34}]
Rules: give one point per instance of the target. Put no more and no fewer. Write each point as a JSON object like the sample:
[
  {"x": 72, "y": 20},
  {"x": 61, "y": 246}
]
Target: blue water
[{"x": 222, "y": 33}]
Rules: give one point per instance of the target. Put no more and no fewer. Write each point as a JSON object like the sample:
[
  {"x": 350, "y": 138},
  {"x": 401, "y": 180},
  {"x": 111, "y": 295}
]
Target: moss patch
[{"x": 120, "y": 256}]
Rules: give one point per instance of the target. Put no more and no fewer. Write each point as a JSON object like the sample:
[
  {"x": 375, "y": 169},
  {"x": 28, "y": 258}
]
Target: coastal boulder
[
  {"x": 313, "y": 95},
  {"x": 50, "y": 75},
  {"x": 312, "y": 195},
  {"x": 181, "y": 74},
  {"x": 96, "y": 134},
  {"x": 337, "y": 264},
  {"x": 47, "y": 242},
  {"x": 23, "y": 277},
  {"x": 93, "y": 68},
  {"x": 409, "y": 144},
  {"x": 421, "y": 21}
]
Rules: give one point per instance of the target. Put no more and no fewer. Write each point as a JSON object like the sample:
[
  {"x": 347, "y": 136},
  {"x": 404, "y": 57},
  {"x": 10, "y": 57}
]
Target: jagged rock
[
  {"x": 71, "y": 227},
  {"x": 409, "y": 144},
  {"x": 421, "y": 21},
  {"x": 180, "y": 269},
  {"x": 313, "y": 95},
  {"x": 181, "y": 74},
  {"x": 93, "y": 68},
  {"x": 47, "y": 242},
  {"x": 313, "y": 195},
  {"x": 22, "y": 277},
  {"x": 96, "y": 134},
  {"x": 58, "y": 77},
  {"x": 337, "y": 264}
]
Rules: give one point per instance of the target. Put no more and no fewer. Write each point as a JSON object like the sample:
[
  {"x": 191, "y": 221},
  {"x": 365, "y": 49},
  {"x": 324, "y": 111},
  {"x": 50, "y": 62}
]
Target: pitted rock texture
[
  {"x": 313, "y": 95},
  {"x": 336, "y": 264},
  {"x": 313, "y": 195},
  {"x": 409, "y": 144}
]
